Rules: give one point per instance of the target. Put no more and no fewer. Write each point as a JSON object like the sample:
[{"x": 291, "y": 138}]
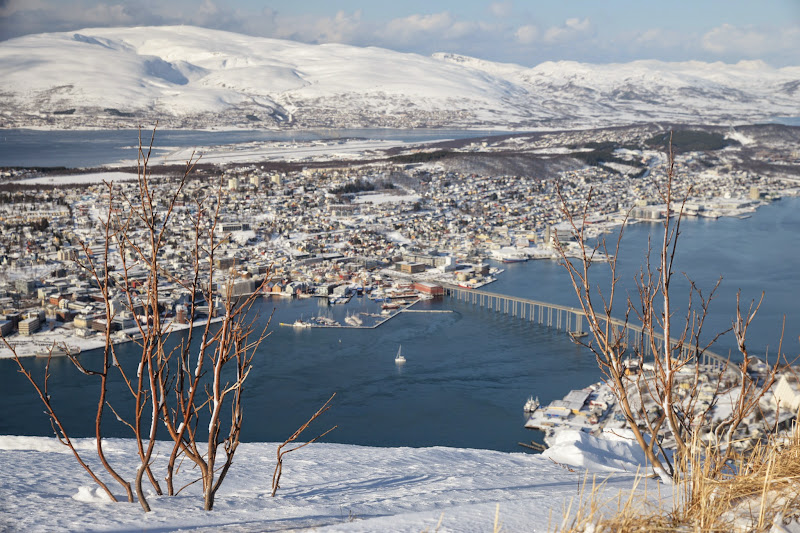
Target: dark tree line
[{"x": 362, "y": 185}]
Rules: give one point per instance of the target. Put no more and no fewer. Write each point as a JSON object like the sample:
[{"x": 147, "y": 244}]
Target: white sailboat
[
  {"x": 399, "y": 359},
  {"x": 354, "y": 320}
]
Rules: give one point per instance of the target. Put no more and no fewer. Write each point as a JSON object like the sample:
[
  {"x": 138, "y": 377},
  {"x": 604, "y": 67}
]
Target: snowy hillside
[
  {"x": 325, "y": 487},
  {"x": 195, "y": 77}
]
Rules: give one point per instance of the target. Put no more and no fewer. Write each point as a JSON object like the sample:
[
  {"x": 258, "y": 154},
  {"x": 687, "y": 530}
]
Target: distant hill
[{"x": 191, "y": 77}]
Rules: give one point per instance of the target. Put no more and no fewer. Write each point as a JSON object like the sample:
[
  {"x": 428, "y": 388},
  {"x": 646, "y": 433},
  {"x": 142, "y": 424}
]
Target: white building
[{"x": 786, "y": 393}]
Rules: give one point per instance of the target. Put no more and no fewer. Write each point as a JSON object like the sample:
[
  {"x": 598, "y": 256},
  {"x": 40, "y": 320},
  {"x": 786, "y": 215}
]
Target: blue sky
[{"x": 524, "y": 32}]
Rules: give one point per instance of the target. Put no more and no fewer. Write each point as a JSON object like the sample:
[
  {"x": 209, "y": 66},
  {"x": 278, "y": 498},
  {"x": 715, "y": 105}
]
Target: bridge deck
[{"x": 563, "y": 317}]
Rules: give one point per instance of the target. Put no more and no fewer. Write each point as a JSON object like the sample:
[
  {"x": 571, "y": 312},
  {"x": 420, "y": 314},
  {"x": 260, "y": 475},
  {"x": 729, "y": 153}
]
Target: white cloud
[
  {"x": 342, "y": 28},
  {"x": 421, "y": 30},
  {"x": 208, "y": 8},
  {"x": 18, "y": 17},
  {"x": 579, "y": 25},
  {"x": 652, "y": 36},
  {"x": 501, "y": 9},
  {"x": 571, "y": 29},
  {"x": 412, "y": 27},
  {"x": 751, "y": 42},
  {"x": 498, "y": 37},
  {"x": 527, "y": 34},
  {"x": 10, "y": 7},
  {"x": 107, "y": 15}
]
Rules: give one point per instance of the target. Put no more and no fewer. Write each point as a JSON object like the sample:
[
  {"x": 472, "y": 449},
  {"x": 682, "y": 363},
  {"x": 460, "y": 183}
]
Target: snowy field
[
  {"x": 344, "y": 150},
  {"x": 384, "y": 198},
  {"x": 95, "y": 177},
  {"x": 325, "y": 487}
]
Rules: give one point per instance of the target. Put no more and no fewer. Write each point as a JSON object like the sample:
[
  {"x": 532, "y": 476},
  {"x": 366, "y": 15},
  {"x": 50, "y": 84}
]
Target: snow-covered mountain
[{"x": 195, "y": 77}]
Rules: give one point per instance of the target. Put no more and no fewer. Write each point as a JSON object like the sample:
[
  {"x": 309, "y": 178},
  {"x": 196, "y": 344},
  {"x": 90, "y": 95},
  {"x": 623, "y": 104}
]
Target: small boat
[
  {"x": 531, "y": 405},
  {"x": 326, "y": 321},
  {"x": 579, "y": 334},
  {"x": 354, "y": 321},
  {"x": 300, "y": 324},
  {"x": 399, "y": 359}
]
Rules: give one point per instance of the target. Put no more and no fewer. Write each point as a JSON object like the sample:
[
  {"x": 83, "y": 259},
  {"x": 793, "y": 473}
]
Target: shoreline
[{"x": 43, "y": 342}]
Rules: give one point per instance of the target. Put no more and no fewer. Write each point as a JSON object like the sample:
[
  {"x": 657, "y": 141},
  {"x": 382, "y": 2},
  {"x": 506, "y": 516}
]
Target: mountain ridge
[{"x": 197, "y": 78}]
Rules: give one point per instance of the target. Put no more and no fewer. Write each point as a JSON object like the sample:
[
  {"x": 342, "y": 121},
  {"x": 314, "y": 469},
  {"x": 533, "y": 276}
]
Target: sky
[{"x": 514, "y": 31}]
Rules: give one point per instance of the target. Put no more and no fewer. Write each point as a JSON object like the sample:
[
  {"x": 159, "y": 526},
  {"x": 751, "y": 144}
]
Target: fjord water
[
  {"x": 469, "y": 371},
  {"x": 91, "y": 148}
]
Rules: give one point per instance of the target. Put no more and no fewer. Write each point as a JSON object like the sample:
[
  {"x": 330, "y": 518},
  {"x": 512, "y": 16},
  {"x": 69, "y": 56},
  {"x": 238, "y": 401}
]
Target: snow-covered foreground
[{"x": 327, "y": 487}]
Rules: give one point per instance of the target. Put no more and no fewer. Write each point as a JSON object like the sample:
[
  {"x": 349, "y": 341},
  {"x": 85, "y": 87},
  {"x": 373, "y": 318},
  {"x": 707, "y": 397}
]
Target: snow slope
[
  {"x": 195, "y": 77},
  {"x": 327, "y": 487}
]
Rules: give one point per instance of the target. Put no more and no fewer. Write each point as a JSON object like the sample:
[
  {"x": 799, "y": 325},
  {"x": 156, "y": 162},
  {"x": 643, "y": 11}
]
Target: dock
[
  {"x": 426, "y": 311},
  {"x": 406, "y": 309}
]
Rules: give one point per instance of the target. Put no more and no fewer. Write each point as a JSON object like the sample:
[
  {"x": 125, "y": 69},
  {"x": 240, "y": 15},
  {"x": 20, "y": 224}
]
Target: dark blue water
[
  {"x": 760, "y": 253},
  {"x": 788, "y": 121},
  {"x": 91, "y": 148},
  {"x": 470, "y": 371}
]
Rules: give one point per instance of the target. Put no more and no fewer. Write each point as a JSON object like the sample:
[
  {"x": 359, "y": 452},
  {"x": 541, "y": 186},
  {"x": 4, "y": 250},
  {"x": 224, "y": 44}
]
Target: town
[{"x": 428, "y": 215}]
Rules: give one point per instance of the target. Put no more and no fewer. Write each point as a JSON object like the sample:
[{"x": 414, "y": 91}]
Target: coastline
[{"x": 61, "y": 340}]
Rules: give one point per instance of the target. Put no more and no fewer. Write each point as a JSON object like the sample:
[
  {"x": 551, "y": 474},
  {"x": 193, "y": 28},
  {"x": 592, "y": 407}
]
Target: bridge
[{"x": 569, "y": 319}]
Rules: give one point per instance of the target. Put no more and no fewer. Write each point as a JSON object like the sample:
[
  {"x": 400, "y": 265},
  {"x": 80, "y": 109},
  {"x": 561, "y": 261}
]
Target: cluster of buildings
[
  {"x": 709, "y": 395},
  {"x": 296, "y": 231}
]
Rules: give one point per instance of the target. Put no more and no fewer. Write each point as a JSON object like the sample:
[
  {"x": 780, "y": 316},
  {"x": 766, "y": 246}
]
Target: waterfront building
[
  {"x": 429, "y": 288},
  {"x": 124, "y": 320},
  {"x": 29, "y": 326}
]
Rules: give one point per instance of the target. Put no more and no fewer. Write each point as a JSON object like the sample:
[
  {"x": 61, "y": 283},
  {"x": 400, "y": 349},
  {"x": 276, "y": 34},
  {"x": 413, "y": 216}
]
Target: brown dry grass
[{"x": 762, "y": 489}]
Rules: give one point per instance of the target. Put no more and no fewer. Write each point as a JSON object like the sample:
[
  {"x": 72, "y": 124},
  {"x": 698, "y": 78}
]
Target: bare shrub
[
  {"x": 193, "y": 387},
  {"x": 662, "y": 407}
]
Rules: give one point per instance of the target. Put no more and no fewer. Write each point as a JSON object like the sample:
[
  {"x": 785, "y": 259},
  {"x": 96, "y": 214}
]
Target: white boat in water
[
  {"x": 531, "y": 405},
  {"x": 399, "y": 359}
]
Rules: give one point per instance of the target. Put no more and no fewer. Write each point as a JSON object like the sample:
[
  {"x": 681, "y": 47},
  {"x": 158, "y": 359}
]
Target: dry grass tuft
[{"x": 761, "y": 489}]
